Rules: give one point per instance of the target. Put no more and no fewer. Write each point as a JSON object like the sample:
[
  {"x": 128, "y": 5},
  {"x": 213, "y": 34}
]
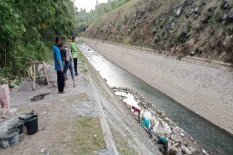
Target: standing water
[{"x": 207, "y": 134}]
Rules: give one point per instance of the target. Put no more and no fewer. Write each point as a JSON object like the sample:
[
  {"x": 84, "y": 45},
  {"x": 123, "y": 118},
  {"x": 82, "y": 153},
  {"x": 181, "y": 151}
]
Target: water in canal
[{"x": 208, "y": 135}]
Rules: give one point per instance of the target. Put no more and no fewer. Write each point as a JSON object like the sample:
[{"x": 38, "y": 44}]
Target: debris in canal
[{"x": 179, "y": 142}]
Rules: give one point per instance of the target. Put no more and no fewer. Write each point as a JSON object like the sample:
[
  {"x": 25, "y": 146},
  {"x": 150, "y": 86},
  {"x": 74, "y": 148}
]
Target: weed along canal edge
[{"x": 208, "y": 135}]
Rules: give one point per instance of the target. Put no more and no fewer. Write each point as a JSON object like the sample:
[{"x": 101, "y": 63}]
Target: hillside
[{"x": 202, "y": 28}]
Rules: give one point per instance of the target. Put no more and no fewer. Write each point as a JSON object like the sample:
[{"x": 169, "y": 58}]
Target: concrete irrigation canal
[{"x": 208, "y": 135}]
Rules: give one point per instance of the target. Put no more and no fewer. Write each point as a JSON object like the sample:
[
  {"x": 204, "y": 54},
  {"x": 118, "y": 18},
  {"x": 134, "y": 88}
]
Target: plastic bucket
[
  {"x": 19, "y": 125},
  {"x": 32, "y": 124},
  {"x": 9, "y": 138},
  {"x": 26, "y": 116}
]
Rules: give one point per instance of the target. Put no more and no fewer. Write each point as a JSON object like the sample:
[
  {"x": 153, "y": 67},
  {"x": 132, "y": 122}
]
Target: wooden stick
[
  {"x": 1, "y": 60},
  {"x": 36, "y": 62},
  {"x": 30, "y": 73},
  {"x": 46, "y": 73},
  {"x": 34, "y": 77},
  {"x": 5, "y": 57},
  {"x": 37, "y": 71}
]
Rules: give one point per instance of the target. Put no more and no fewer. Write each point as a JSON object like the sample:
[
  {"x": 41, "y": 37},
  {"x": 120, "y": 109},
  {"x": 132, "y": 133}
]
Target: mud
[{"x": 39, "y": 97}]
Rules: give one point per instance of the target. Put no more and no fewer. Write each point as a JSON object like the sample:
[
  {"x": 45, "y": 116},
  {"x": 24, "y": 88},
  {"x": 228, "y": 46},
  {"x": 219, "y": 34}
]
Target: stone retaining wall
[{"x": 208, "y": 91}]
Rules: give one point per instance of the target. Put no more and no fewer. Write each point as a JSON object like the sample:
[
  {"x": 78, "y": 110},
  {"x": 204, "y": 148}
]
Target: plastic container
[
  {"x": 32, "y": 124},
  {"x": 26, "y": 116},
  {"x": 19, "y": 125},
  {"x": 9, "y": 138}
]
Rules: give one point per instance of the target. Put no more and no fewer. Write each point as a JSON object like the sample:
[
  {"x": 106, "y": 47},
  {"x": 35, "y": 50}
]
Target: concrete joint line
[{"x": 110, "y": 144}]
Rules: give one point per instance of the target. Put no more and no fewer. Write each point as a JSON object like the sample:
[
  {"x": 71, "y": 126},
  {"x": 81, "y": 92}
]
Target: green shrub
[{"x": 211, "y": 22}]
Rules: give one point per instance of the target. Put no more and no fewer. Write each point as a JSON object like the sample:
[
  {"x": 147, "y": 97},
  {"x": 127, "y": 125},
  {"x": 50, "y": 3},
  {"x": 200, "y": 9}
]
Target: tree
[{"x": 28, "y": 29}]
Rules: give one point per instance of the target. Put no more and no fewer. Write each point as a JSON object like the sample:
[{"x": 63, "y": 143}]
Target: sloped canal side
[{"x": 208, "y": 135}]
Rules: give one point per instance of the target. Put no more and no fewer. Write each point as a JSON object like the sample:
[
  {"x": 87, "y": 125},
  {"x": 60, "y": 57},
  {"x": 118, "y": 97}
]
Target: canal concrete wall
[{"x": 203, "y": 87}]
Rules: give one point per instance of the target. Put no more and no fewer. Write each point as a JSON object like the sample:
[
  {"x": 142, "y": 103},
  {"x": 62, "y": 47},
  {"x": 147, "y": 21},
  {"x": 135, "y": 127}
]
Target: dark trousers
[
  {"x": 139, "y": 117},
  {"x": 165, "y": 147},
  {"x": 75, "y": 65},
  {"x": 68, "y": 65},
  {"x": 60, "y": 81}
]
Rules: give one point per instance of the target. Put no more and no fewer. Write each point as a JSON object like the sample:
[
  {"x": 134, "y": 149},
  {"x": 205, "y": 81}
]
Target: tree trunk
[
  {"x": 1, "y": 60},
  {"x": 5, "y": 57}
]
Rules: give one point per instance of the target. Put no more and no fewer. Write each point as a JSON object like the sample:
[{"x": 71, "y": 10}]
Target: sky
[{"x": 87, "y": 4}]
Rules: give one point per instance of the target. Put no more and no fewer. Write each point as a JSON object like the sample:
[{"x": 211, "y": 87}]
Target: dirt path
[{"x": 68, "y": 123}]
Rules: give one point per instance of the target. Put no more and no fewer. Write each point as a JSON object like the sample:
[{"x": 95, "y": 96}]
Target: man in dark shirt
[
  {"x": 163, "y": 141},
  {"x": 67, "y": 62},
  {"x": 63, "y": 54}
]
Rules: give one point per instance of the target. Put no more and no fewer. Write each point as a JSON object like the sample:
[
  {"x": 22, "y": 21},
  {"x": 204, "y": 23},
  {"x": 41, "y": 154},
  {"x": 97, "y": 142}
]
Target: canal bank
[
  {"x": 207, "y": 134},
  {"x": 127, "y": 134},
  {"x": 205, "y": 90},
  {"x": 86, "y": 119}
]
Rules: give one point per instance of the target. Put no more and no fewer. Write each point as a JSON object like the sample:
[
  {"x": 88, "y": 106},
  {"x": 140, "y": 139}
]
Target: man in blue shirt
[{"x": 58, "y": 65}]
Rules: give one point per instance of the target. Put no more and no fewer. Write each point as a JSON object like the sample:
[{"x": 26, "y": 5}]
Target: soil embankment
[
  {"x": 205, "y": 89},
  {"x": 180, "y": 28}
]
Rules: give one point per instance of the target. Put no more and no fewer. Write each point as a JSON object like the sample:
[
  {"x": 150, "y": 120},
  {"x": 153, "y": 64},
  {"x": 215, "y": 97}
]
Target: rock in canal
[
  {"x": 224, "y": 17},
  {"x": 230, "y": 15},
  {"x": 154, "y": 31},
  {"x": 186, "y": 150},
  {"x": 172, "y": 151},
  {"x": 196, "y": 9},
  {"x": 173, "y": 26},
  {"x": 225, "y": 4},
  {"x": 179, "y": 11}
]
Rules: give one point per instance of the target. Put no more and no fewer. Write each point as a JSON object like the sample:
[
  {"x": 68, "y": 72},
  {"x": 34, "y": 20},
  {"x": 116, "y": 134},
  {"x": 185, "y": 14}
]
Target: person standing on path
[
  {"x": 63, "y": 54},
  {"x": 58, "y": 65},
  {"x": 74, "y": 50},
  {"x": 67, "y": 56}
]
